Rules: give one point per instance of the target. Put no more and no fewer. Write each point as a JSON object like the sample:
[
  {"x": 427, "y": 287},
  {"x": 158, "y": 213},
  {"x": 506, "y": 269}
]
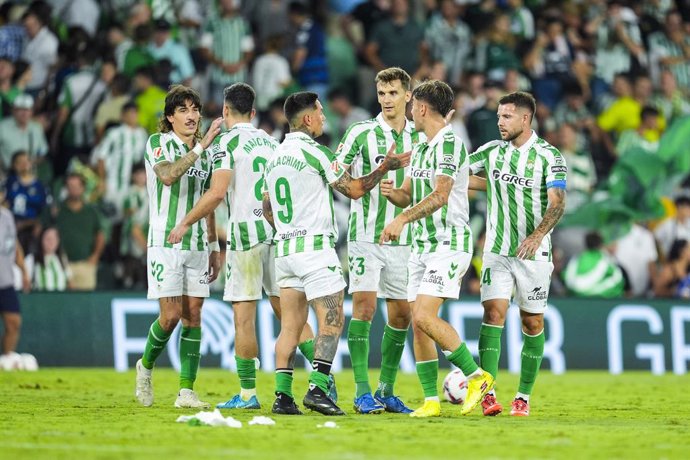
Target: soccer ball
[
  {"x": 29, "y": 362},
  {"x": 455, "y": 387}
]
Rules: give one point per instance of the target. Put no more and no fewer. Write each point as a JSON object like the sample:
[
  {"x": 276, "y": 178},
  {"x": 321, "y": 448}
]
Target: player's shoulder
[
  {"x": 361, "y": 127},
  {"x": 545, "y": 149},
  {"x": 156, "y": 140},
  {"x": 489, "y": 146}
]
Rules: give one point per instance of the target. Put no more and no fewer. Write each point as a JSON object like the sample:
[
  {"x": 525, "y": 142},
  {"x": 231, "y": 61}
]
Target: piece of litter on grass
[
  {"x": 214, "y": 418},
  {"x": 327, "y": 425},
  {"x": 261, "y": 420}
]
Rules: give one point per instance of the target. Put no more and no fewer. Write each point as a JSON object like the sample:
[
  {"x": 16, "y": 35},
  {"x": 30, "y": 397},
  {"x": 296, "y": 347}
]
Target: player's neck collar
[
  {"x": 407, "y": 127},
  {"x": 524, "y": 148}
]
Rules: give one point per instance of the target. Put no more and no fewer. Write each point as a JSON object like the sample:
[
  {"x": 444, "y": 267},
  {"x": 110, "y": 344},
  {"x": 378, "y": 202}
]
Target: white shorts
[
  {"x": 176, "y": 272},
  {"x": 316, "y": 273},
  {"x": 437, "y": 274},
  {"x": 246, "y": 272},
  {"x": 378, "y": 268},
  {"x": 525, "y": 281}
]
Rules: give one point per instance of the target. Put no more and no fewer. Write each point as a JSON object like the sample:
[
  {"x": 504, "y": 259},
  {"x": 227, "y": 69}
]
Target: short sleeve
[
  {"x": 349, "y": 146},
  {"x": 321, "y": 159},
  {"x": 222, "y": 151},
  {"x": 154, "y": 150},
  {"x": 556, "y": 169},
  {"x": 450, "y": 154},
  {"x": 477, "y": 159}
]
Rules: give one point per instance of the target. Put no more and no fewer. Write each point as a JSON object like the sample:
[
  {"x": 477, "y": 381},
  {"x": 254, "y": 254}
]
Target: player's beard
[{"x": 511, "y": 136}]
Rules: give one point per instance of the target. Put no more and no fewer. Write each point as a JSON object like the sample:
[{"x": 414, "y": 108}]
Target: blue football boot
[
  {"x": 238, "y": 403},
  {"x": 366, "y": 404},
  {"x": 392, "y": 403}
]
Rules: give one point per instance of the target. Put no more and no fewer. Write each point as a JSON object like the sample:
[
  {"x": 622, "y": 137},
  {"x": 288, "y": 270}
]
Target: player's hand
[
  {"x": 212, "y": 132},
  {"x": 394, "y": 161},
  {"x": 386, "y": 186},
  {"x": 177, "y": 233},
  {"x": 392, "y": 231},
  {"x": 213, "y": 266},
  {"x": 529, "y": 247}
]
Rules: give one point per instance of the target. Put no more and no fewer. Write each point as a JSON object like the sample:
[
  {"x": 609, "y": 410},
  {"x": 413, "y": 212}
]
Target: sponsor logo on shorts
[
  {"x": 431, "y": 277},
  {"x": 537, "y": 294},
  {"x": 204, "y": 278},
  {"x": 512, "y": 178}
]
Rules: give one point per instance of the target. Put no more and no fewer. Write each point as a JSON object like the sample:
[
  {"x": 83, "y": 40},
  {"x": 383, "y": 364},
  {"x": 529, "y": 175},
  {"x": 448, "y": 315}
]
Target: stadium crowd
[{"x": 82, "y": 85}]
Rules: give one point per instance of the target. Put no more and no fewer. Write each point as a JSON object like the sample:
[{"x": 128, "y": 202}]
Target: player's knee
[
  {"x": 244, "y": 325},
  {"x": 364, "y": 311},
  {"x": 13, "y": 324},
  {"x": 169, "y": 321},
  {"x": 532, "y": 325},
  {"x": 493, "y": 316}
]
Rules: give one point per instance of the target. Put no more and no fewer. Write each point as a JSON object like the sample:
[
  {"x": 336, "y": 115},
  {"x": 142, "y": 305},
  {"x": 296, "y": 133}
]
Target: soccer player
[
  {"x": 239, "y": 157},
  {"x": 436, "y": 190},
  {"x": 378, "y": 270},
  {"x": 526, "y": 179},
  {"x": 299, "y": 205},
  {"x": 177, "y": 170}
]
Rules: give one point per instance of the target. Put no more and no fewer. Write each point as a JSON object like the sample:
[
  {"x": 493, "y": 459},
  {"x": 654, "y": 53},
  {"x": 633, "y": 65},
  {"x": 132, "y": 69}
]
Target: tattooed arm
[
  {"x": 356, "y": 188},
  {"x": 268, "y": 211},
  {"x": 552, "y": 215}
]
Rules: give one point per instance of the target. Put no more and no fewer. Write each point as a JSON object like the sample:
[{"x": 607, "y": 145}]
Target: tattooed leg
[{"x": 329, "y": 312}]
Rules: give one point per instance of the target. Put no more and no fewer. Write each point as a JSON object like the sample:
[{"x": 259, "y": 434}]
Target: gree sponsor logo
[
  {"x": 194, "y": 172},
  {"x": 512, "y": 178},
  {"x": 420, "y": 173}
]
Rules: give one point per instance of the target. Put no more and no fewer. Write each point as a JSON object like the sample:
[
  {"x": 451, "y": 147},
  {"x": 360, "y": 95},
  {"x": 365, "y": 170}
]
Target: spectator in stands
[
  {"x": 594, "y": 273},
  {"x": 74, "y": 132},
  {"x": 341, "y": 105},
  {"x": 40, "y": 50},
  {"x": 482, "y": 124},
  {"x": 645, "y": 137},
  {"x": 475, "y": 98},
  {"x": 521, "y": 20},
  {"x": 26, "y": 197},
  {"x": 397, "y": 41},
  {"x": 495, "y": 53},
  {"x": 674, "y": 275},
  {"x": 625, "y": 112},
  {"x": 670, "y": 100},
  {"x": 268, "y": 16},
  {"x": 20, "y": 133},
  {"x": 150, "y": 99},
  {"x": 228, "y": 46},
  {"x": 12, "y": 33},
  {"x": 449, "y": 39},
  {"x": 573, "y": 110},
  {"x": 636, "y": 253},
  {"x": 163, "y": 47},
  {"x": 109, "y": 111},
  {"x": 271, "y": 74},
  {"x": 670, "y": 49},
  {"x": 10, "y": 253},
  {"x": 581, "y": 173},
  {"x": 8, "y": 89},
  {"x": 49, "y": 267},
  {"x": 275, "y": 123},
  {"x": 80, "y": 227},
  {"x": 138, "y": 54},
  {"x": 308, "y": 60},
  {"x": 120, "y": 44},
  {"x": 674, "y": 228},
  {"x": 136, "y": 220},
  {"x": 121, "y": 148},
  {"x": 80, "y": 13},
  {"x": 458, "y": 121}
]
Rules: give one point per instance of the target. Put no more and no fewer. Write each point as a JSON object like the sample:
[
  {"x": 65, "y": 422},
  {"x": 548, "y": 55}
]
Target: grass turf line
[{"x": 92, "y": 413}]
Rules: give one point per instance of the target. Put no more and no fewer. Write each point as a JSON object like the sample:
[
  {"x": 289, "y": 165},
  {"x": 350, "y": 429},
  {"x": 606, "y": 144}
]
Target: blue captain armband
[{"x": 556, "y": 184}]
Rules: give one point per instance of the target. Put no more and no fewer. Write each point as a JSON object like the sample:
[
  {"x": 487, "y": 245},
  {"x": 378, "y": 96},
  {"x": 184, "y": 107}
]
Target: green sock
[
  {"x": 190, "y": 344},
  {"x": 427, "y": 371},
  {"x": 284, "y": 381},
  {"x": 463, "y": 359},
  {"x": 320, "y": 380},
  {"x": 392, "y": 346},
  {"x": 490, "y": 347},
  {"x": 246, "y": 371},
  {"x": 155, "y": 343},
  {"x": 358, "y": 343},
  {"x": 307, "y": 349},
  {"x": 532, "y": 353}
]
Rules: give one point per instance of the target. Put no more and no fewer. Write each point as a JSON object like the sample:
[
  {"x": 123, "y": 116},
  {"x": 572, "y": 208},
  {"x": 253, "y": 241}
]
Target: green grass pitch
[{"x": 91, "y": 413}]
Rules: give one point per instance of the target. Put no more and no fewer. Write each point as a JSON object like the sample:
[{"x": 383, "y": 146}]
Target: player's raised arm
[
  {"x": 170, "y": 172},
  {"x": 356, "y": 188},
  {"x": 401, "y": 197}
]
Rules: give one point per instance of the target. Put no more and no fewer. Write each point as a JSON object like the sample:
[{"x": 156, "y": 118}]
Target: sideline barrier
[{"x": 108, "y": 329}]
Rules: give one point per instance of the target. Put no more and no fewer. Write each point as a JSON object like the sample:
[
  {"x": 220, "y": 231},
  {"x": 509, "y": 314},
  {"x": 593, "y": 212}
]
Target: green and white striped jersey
[
  {"x": 52, "y": 275},
  {"x": 448, "y": 227},
  {"x": 517, "y": 181},
  {"x": 244, "y": 150},
  {"x": 120, "y": 149},
  {"x": 362, "y": 149},
  {"x": 136, "y": 212},
  {"x": 594, "y": 274},
  {"x": 297, "y": 178},
  {"x": 169, "y": 204}
]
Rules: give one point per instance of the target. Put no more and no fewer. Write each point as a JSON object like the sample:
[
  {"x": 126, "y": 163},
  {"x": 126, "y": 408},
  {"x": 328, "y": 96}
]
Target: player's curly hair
[
  {"x": 394, "y": 73},
  {"x": 437, "y": 94},
  {"x": 178, "y": 96}
]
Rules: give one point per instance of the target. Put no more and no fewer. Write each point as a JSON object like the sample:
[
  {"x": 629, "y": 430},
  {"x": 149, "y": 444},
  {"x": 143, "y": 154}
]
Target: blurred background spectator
[{"x": 82, "y": 82}]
